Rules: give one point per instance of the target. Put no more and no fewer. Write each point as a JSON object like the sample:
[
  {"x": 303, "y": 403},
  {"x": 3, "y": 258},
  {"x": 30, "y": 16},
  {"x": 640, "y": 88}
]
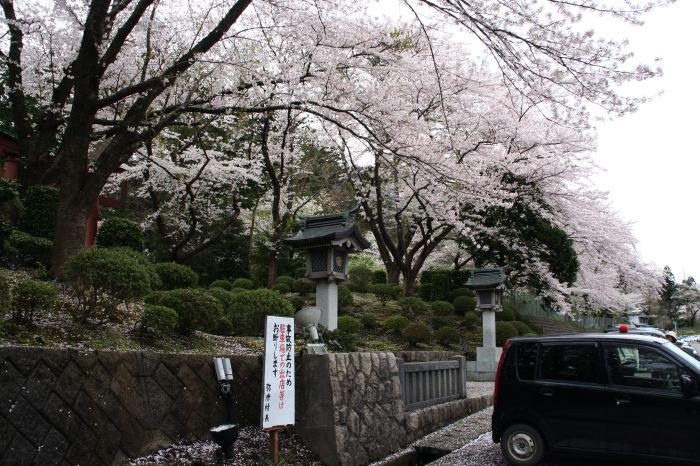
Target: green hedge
[
  {"x": 158, "y": 320},
  {"x": 396, "y": 323},
  {"x": 360, "y": 278},
  {"x": 447, "y": 336},
  {"x": 223, "y": 284},
  {"x": 348, "y": 324},
  {"x": 412, "y": 306},
  {"x": 385, "y": 292},
  {"x": 442, "y": 308},
  {"x": 417, "y": 332},
  {"x": 521, "y": 327},
  {"x": 345, "y": 298},
  {"x": 472, "y": 320},
  {"x": 464, "y": 304},
  {"x": 25, "y": 250},
  {"x": 440, "y": 286},
  {"x": 244, "y": 283}
]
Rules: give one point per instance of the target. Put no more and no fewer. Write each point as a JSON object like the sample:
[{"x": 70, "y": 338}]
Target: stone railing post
[
  {"x": 402, "y": 379},
  {"x": 462, "y": 375}
]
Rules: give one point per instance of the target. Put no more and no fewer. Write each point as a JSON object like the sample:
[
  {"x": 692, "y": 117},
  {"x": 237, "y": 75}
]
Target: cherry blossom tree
[{"x": 107, "y": 77}]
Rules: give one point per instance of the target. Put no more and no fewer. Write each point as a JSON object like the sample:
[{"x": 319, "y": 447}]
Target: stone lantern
[
  {"x": 488, "y": 285},
  {"x": 327, "y": 240}
]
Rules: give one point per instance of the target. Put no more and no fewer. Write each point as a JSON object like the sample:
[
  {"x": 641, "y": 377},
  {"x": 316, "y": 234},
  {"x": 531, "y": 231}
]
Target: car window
[
  {"x": 571, "y": 363},
  {"x": 641, "y": 367},
  {"x": 526, "y": 360}
]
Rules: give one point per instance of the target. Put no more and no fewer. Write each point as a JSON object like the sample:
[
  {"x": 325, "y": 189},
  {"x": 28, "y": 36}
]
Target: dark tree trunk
[
  {"x": 272, "y": 268},
  {"x": 393, "y": 273},
  {"x": 70, "y": 231}
]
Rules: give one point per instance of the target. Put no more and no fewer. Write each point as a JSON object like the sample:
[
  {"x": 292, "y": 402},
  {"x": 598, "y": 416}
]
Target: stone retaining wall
[
  {"x": 355, "y": 414},
  {"x": 102, "y": 407}
]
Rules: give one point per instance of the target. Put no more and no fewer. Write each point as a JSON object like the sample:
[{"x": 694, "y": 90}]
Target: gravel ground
[{"x": 251, "y": 449}]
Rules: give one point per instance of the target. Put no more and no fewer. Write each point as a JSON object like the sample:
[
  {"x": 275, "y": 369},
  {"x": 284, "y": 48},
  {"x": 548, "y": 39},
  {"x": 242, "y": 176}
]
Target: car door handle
[
  {"x": 622, "y": 401},
  {"x": 547, "y": 392}
]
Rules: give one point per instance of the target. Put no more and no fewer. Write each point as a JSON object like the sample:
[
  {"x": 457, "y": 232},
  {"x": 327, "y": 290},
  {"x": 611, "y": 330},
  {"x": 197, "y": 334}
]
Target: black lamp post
[{"x": 225, "y": 435}]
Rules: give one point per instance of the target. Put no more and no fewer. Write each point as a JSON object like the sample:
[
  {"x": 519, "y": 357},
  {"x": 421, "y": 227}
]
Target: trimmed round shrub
[
  {"x": 196, "y": 309},
  {"x": 39, "y": 215},
  {"x": 102, "y": 278},
  {"x": 386, "y": 292},
  {"x": 32, "y": 298},
  {"x": 244, "y": 283},
  {"x": 281, "y": 288},
  {"x": 439, "y": 321},
  {"x": 360, "y": 278},
  {"x": 442, "y": 308},
  {"x": 504, "y": 331},
  {"x": 447, "y": 336},
  {"x": 440, "y": 286},
  {"x": 412, "y": 306},
  {"x": 301, "y": 286},
  {"x": 299, "y": 272},
  {"x": 153, "y": 278},
  {"x": 26, "y": 250},
  {"x": 223, "y": 326},
  {"x": 472, "y": 320},
  {"x": 379, "y": 277},
  {"x": 348, "y": 324},
  {"x": 249, "y": 308},
  {"x": 223, "y": 284},
  {"x": 506, "y": 315},
  {"x": 223, "y": 296},
  {"x": 345, "y": 297},
  {"x": 464, "y": 304},
  {"x": 369, "y": 321},
  {"x": 285, "y": 280},
  {"x": 298, "y": 302},
  {"x": 396, "y": 323},
  {"x": 417, "y": 332},
  {"x": 159, "y": 320},
  {"x": 174, "y": 276},
  {"x": 457, "y": 292},
  {"x": 120, "y": 232},
  {"x": 521, "y": 327}
]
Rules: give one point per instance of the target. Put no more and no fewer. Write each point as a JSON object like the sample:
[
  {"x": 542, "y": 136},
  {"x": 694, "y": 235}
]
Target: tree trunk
[
  {"x": 272, "y": 269},
  {"x": 393, "y": 273},
  {"x": 409, "y": 284},
  {"x": 70, "y": 231}
]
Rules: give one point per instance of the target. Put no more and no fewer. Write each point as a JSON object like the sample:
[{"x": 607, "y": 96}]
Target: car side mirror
[{"x": 688, "y": 386}]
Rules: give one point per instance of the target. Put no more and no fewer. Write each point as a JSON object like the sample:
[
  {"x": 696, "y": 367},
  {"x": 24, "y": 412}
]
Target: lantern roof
[
  {"x": 330, "y": 229},
  {"x": 487, "y": 278}
]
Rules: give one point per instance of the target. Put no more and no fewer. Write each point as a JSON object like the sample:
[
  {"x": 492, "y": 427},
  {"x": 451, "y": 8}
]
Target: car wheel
[{"x": 522, "y": 445}]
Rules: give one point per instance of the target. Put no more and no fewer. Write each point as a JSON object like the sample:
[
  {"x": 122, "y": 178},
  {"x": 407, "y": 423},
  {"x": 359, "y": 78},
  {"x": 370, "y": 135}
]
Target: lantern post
[
  {"x": 327, "y": 240},
  {"x": 488, "y": 286}
]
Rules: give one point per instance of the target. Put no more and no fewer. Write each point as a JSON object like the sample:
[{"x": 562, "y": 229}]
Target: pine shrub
[
  {"x": 223, "y": 284},
  {"x": 32, "y": 298},
  {"x": 440, "y": 286},
  {"x": 281, "y": 288},
  {"x": 103, "y": 278},
  {"x": 369, "y": 321},
  {"x": 464, "y": 304},
  {"x": 39, "y": 215},
  {"x": 174, "y": 276},
  {"x": 244, "y": 283},
  {"x": 521, "y": 327},
  {"x": 442, "y": 308},
  {"x": 412, "y": 306},
  {"x": 224, "y": 297},
  {"x": 396, "y": 324},
  {"x": 504, "y": 331},
  {"x": 472, "y": 320},
  {"x": 379, "y": 277},
  {"x": 348, "y": 324},
  {"x": 360, "y": 278},
  {"x": 196, "y": 309},
  {"x": 386, "y": 292},
  {"x": 158, "y": 320},
  {"x": 301, "y": 286},
  {"x": 285, "y": 280},
  {"x": 120, "y": 232},
  {"x": 345, "y": 298},
  {"x": 447, "y": 336},
  {"x": 417, "y": 332},
  {"x": 249, "y": 308},
  {"x": 298, "y": 302}
]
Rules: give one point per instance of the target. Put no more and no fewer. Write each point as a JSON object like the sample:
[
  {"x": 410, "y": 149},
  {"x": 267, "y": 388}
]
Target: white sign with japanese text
[{"x": 278, "y": 373}]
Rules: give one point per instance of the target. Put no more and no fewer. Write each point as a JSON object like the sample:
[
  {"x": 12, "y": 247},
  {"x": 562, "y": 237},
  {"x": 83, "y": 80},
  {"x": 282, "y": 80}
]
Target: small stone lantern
[
  {"x": 488, "y": 285},
  {"x": 327, "y": 240}
]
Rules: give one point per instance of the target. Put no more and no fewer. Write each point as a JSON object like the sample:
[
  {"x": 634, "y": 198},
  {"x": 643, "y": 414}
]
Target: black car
[{"x": 616, "y": 396}]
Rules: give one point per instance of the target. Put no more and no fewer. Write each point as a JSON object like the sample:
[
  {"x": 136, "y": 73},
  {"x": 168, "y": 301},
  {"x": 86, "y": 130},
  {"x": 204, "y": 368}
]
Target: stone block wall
[
  {"x": 102, "y": 407},
  {"x": 355, "y": 414}
]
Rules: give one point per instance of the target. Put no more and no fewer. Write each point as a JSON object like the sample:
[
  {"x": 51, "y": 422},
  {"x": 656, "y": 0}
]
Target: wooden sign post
[{"x": 277, "y": 410}]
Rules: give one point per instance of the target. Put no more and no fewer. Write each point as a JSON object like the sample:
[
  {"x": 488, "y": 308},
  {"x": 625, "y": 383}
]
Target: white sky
[{"x": 651, "y": 159}]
